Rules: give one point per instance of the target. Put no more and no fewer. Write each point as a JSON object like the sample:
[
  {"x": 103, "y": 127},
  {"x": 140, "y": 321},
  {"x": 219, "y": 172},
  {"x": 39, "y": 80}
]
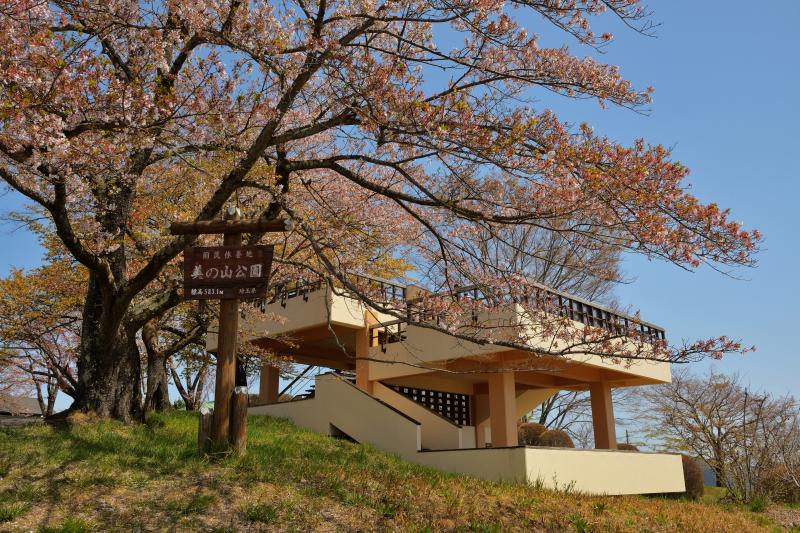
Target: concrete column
[
  {"x": 503, "y": 409},
  {"x": 362, "y": 351},
  {"x": 269, "y": 383},
  {"x": 605, "y": 432},
  {"x": 480, "y": 405}
]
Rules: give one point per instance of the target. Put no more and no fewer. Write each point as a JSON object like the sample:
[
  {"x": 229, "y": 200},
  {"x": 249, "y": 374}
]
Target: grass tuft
[
  {"x": 9, "y": 512},
  {"x": 70, "y": 525},
  {"x": 260, "y": 512}
]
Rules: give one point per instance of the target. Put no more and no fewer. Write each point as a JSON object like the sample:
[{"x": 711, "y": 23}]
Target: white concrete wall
[
  {"x": 528, "y": 400},
  {"x": 605, "y": 471},
  {"x": 581, "y": 471},
  {"x": 494, "y": 464},
  {"x": 356, "y": 413},
  {"x": 438, "y": 433},
  {"x": 424, "y": 346},
  {"x": 353, "y": 412},
  {"x": 304, "y": 413}
]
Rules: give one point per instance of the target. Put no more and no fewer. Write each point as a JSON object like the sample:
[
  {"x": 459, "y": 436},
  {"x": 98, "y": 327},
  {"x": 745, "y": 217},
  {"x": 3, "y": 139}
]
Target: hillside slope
[{"x": 105, "y": 476}]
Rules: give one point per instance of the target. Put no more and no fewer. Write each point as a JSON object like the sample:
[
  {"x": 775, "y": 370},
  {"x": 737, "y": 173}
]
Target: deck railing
[
  {"x": 541, "y": 297},
  {"x": 387, "y": 291},
  {"x": 577, "y": 309},
  {"x": 544, "y": 298}
]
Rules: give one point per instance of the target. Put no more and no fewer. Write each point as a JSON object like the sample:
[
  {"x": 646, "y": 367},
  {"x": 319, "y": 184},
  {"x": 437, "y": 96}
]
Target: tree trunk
[
  {"x": 109, "y": 368},
  {"x": 157, "y": 395}
]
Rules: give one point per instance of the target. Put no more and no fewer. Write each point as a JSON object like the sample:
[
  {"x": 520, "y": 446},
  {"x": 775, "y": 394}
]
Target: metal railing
[
  {"x": 544, "y": 298},
  {"x": 302, "y": 386},
  {"x": 574, "y": 308},
  {"x": 540, "y": 297},
  {"x": 387, "y": 333},
  {"x": 387, "y": 291}
]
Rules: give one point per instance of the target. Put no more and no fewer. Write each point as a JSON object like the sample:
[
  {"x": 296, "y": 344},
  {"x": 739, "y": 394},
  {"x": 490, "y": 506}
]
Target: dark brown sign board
[{"x": 226, "y": 272}]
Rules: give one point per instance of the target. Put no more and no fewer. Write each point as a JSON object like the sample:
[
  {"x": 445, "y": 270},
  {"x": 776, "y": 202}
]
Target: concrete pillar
[
  {"x": 269, "y": 383},
  {"x": 503, "y": 409},
  {"x": 481, "y": 419},
  {"x": 362, "y": 351},
  {"x": 605, "y": 432}
]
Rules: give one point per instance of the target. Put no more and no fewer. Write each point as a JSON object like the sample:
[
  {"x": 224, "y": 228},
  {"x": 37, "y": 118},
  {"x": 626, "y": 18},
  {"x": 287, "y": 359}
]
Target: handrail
[
  {"x": 539, "y": 288},
  {"x": 543, "y": 297},
  {"x": 295, "y": 380}
]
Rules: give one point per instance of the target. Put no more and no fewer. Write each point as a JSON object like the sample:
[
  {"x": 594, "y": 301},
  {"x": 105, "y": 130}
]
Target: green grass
[
  {"x": 69, "y": 525},
  {"x": 260, "y": 512},
  {"x": 11, "y": 512},
  {"x": 105, "y": 476}
]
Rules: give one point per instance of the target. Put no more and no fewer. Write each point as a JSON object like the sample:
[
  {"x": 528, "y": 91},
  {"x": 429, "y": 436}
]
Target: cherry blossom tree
[
  {"x": 383, "y": 129},
  {"x": 40, "y": 314}
]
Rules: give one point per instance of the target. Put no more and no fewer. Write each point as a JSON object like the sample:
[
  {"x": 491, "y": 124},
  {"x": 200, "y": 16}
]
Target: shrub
[
  {"x": 529, "y": 433},
  {"x": 556, "y": 438},
  {"x": 777, "y": 483},
  {"x": 627, "y": 447},
  {"x": 692, "y": 477},
  {"x": 758, "y": 504}
]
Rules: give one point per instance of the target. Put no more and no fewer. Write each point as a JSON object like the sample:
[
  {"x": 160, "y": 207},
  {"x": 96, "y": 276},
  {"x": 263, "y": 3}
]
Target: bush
[
  {"x": 692, "y": 477},
  {"x": 627, "y": 447},
  {"x": 776, "y": 483},
  {"x": 529, "y": 433},
  {"x": 555, "y": 438},
  {"x": 758, "y": 504}
]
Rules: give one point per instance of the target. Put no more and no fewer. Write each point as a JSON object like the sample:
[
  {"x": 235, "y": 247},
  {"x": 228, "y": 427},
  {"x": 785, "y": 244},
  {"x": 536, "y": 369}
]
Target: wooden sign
[{"x": 226, "y": 272}]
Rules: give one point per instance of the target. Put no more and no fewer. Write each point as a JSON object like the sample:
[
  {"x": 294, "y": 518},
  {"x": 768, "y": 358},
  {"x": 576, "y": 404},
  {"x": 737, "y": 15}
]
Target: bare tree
[{"x": 746, "y": 438}]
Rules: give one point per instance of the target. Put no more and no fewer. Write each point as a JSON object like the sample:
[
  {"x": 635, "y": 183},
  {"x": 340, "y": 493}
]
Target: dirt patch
[{"x": 785, "y": 516}]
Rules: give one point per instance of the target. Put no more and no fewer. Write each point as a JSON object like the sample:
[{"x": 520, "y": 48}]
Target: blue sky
[{"x": 727, "y": 86}]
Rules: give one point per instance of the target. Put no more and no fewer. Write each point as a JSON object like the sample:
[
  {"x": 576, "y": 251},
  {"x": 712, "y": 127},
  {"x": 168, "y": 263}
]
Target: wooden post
[
  {"x": 226, "y": 354},
  {"x": 239, "y": 419},
  {"x": 204, "y": 430},
  {"x": 227, "y": 424}
]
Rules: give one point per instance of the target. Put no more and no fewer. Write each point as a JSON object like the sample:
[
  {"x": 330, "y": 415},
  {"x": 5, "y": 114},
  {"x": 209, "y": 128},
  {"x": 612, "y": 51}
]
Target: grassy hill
[{"x": 104, "y": 476}]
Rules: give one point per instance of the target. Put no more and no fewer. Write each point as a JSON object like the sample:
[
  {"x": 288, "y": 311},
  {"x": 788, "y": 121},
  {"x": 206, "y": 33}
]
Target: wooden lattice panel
[{"x": 455, "y": 407}]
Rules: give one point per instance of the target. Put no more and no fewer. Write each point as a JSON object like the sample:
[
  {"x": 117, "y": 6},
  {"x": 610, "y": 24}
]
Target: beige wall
[
  {"x": 494, "y": 464},
  {"x": 605, "y": 472},
  {"x": 304, "y": 413},
  {"x": 366, "y": 420},
  {"x": 582, "y": 471},
  {"x": 590, "y": 471},
  {"x": 299, "y": 314},
  {"x": 352, "y": 411},
  {"x": 528, "y": 400},
  {"x": 655, "y": 370},
  {"x": 438, "y": 433},
  {"x": 422, "y": 346}
]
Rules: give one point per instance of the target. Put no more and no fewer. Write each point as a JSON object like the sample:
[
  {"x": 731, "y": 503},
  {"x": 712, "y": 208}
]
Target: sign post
[{"x": 229, "y": 273}]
